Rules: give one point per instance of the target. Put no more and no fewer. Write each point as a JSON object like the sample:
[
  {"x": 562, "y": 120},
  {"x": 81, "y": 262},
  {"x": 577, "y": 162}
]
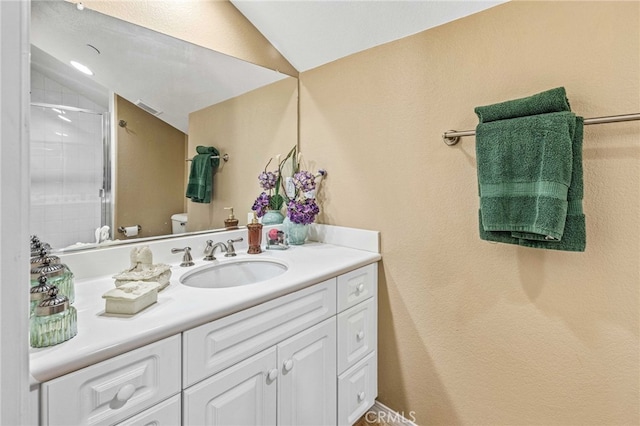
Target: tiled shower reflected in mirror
[{"x": 67, "y": 163}]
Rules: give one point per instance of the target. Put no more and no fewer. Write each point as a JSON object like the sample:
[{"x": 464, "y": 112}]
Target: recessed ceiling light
[
  {"x": 61, "y": 134},
  {"x": 82, "y": 68},
  {"x": 57, "y": 110},
  {"x": 62, "y": 117}
]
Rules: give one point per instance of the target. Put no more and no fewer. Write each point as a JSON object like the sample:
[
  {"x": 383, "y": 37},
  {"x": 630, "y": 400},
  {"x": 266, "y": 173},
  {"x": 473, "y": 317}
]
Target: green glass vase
[
  {"x": 272, "y": 217},
  {"x": 296, "y": 232}
]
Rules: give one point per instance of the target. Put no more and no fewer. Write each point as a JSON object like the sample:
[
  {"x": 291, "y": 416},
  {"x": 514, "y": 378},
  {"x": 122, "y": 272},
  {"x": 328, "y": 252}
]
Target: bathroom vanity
[{"x": 296, "y": 349}]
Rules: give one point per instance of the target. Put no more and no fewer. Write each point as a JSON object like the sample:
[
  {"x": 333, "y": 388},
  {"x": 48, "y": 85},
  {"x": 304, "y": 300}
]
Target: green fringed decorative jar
[{"x": 53, "y": 321}]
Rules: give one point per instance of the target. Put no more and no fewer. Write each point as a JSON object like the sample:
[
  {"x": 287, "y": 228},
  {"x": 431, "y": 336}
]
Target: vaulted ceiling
[
  {"x": 178, "y": 78},
  {"x": 310, "y": 33}
]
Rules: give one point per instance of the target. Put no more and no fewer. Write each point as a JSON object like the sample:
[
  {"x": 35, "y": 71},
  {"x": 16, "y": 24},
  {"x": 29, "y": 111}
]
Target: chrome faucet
[
  {"x": 228, "y": 249},
  {"x": 187, "y": 260},
  {"x": 231, "y": 251},
  {"x": 210, "y": 249}
]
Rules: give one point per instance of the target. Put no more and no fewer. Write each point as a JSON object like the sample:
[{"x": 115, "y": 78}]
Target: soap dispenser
[
  {"x": 255, "y": 235},
  {"x": 231, "y": 222}
]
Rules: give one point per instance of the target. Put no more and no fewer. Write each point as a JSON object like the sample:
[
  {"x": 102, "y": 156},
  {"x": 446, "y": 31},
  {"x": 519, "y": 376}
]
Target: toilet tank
[{"x": 179, "y": 223}]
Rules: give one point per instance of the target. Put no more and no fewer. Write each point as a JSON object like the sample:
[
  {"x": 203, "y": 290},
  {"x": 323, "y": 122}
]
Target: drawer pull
[
  {"x": 125, "y": 393},
  {"x": 360, "y": 288},
  {"x": 360, "y": 335},
  {"x": 288, "y": 365},
  {"x": 272, "y": 375},
  {"x": 361, "y": 396}
]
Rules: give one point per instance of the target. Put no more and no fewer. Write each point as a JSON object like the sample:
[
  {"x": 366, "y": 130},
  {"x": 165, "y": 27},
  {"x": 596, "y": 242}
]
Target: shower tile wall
[{"x": 66, "y": 165}]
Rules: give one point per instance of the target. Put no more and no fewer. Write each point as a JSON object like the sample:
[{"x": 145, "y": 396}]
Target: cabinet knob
[
  {"x": 360, "y": 335},
  {"x": 360, "y": 288},
  {"x": 272, "y": 374},
  {"x": 361, "y": 396},
  {"x": 125, "y": 392},
  {"x": 288, "y": 365}
]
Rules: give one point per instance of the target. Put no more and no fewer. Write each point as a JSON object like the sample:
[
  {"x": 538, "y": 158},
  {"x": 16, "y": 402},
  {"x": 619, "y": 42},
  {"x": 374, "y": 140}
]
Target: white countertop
[{"x": 102, "y": 336}]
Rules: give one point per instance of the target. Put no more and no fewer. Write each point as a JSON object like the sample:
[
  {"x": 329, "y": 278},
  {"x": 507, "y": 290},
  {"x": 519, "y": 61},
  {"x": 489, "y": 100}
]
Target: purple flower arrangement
[
  {"x": 302, "y": 208},
  {"x": 301, "y": 203}
]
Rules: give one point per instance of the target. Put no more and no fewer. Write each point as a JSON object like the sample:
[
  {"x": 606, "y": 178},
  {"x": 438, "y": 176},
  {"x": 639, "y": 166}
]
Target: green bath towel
[
  {"x": 203, "y": 167},
  {"x": 529, "y": 154}
]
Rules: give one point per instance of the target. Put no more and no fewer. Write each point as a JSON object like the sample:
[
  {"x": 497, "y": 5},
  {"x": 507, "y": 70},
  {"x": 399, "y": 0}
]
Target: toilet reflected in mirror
[{"x": 179, "y": 223}]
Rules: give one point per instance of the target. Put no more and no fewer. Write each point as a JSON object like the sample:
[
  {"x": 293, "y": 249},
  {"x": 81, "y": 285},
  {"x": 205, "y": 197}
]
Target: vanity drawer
[
  {"x": 356, "y": 286},
  {"x": 357, "y": 333},
  {"x": 357, "y": 390},
  {"x": 167, "y": 413},
  {"x": 219, "y": 344},
  {"x": 113, "y": 390}
]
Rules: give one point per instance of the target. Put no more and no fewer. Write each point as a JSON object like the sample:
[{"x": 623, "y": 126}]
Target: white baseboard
[{"x": 381, "y": 414}]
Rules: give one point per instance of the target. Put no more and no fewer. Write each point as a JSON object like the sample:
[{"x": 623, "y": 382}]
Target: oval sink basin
[{"x": 233, "y": 274}]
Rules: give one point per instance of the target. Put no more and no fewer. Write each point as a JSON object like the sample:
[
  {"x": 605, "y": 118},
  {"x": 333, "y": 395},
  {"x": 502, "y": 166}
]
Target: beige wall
[
  {"x": 473, "y": 332},
  {"x": 215, "y": 24},
  {"x": 150, "y": 171},
  {"x": 251, "y": 128}
]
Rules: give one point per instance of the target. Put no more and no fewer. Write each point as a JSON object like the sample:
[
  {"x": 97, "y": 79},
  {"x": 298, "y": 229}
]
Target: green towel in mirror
[{"x": 203, "y": 167}]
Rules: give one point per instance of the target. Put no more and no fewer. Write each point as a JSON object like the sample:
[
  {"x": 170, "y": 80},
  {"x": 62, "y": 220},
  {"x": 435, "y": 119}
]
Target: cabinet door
[
  {"x": 241, "y": 395},
  {"x": 307, "y": 388}
]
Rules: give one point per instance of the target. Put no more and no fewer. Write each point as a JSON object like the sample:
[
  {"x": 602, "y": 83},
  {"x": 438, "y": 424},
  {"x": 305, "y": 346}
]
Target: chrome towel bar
[{"x": 451, "y": 137}]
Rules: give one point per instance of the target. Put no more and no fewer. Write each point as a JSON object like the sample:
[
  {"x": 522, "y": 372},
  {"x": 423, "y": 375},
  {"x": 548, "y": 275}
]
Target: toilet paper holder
[{"x": 121, "y": 229}]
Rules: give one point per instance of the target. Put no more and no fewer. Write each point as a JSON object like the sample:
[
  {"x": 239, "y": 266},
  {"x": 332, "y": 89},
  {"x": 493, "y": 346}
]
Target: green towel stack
[
  {"x": 203, "y": 167},
  {"x": 529, "y": 154}
]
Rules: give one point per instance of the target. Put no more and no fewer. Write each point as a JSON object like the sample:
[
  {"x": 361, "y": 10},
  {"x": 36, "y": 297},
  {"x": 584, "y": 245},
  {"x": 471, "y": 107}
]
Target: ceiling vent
[{"x": 147, "y": 108}]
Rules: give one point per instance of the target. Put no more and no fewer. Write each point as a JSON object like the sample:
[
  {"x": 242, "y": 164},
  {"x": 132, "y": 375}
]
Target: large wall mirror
[{"x": 113, "y": 148}]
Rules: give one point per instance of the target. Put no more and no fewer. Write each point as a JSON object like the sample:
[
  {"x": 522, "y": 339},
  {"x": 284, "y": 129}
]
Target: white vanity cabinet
[
  {"x": 317, "y": 364},
  {"x": 304, "y": 358}
]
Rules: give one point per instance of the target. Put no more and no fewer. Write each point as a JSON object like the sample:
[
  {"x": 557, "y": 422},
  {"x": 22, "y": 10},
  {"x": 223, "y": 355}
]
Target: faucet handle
[
  {"x": 231, "y": 251},
  {"x": 187, "y": 260}
]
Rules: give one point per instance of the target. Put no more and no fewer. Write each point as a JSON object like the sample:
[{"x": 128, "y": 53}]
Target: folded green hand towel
[
  {"x": 529, "y": 154},
  {"x": 554, "y": 100},
  {"x": 203, "y": 167}
]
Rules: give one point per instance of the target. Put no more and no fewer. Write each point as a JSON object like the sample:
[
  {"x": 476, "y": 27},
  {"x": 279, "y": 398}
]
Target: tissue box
[{"x": 130, "y": 298}]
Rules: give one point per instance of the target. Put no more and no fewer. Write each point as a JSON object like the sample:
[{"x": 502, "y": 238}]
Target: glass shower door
[{"x": 69, "y": 174}]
